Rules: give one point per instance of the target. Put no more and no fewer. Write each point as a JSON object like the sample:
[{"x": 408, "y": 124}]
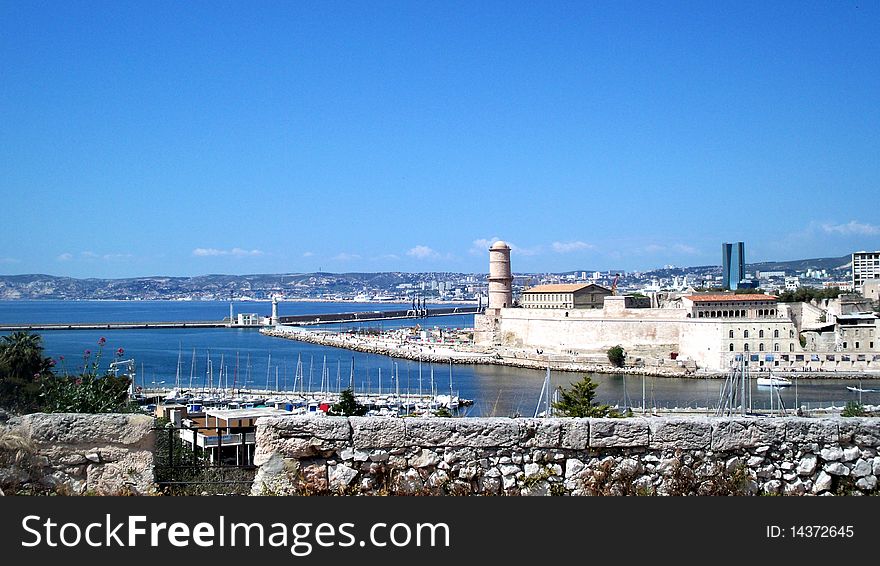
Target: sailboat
[{"x": 773, "y": 381}]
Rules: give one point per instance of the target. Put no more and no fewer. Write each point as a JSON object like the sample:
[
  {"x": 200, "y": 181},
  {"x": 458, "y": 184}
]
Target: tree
[
  {"x": 22, "y": 365},
  {"x": 579, "y": 401},
  {"x": 348, "y": 405},
  {"x": 616, "y": 356}
]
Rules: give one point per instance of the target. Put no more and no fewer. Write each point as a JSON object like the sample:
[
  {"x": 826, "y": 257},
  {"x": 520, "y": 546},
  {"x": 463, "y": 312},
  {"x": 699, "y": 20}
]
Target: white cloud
[
  {"x": 481, "y": 247},
  {"x": 685, "y": 249},
  {"x": 567, "y": 247},
  {"x": 852, "y": 227},
  {"x": 345, "y": 257},
  {"x": 235, "y": 252},
  {"x": 308, "y": 254},
  {"x": 89, "y": 255},
  {"x": 116, "y": 257},
  {"x": 65, "y": 257},
  {"x": 9, "y": 260},
  {"x": 421, "y": 252}
]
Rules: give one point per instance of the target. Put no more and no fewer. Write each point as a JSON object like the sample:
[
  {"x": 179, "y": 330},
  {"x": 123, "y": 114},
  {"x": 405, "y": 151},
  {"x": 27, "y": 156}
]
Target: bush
[
  {"x": 853, "y": 409},
  {"x": 617, "y": 356}
]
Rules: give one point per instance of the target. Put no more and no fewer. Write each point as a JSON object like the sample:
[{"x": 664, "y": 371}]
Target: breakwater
[
  {"x": 635, "y": 456},
  {"x": 465, "y": 352}
]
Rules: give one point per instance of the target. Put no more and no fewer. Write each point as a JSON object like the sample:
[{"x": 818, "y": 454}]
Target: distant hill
[{"x": 827, "y": 263}]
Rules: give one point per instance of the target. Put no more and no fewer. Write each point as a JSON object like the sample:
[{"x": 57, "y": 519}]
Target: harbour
[{"x": 496, "y": 390}]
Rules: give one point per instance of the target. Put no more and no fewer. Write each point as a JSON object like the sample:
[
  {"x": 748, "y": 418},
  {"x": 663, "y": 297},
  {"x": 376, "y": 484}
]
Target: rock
[
  {"x": 786, "y": 466},
  {"x": 861, "y": 468},
  {"x": 424, "y": 459},
  {"x": 773, "y": 487},
  {"x": 806, "y": 430},
  {"x": 508, "y": 482},
  {"x": 531, "y": 470},
  {"x": 755, "y": 461},
  {"x": 379, "y": 456},
  {"x": 575, "y": 433},
  {"x": 509, "y": 470},
  {"x": 469, "y": 472},
  {"x": 683, "y": 433},
  {"x": 868, "y": 483},
  {"x": 354, "y": 454},
  {"x": 467, "y": 433},
  {"x": 831, "y": 453},
  {"x": 851, "y": 454},
  {"x": 796, "y": 487},
  {"x": 807, "y": 465},
  {"x": 371, "y": 433},
  {"x": 540, "y": 433},
  {"x": 875, "y": 466},
  {"x": 789, "y": 477},
  {"x": 823, "y": 483},
  {"x": 438, "y": 478},
  {"x": 341, "y": 476},
  {"x": 836, "y": 469},
  {"x": 573, "y": 466},
  {"x": 619, "y": 433},
  {"x": 93, "y": 457}
]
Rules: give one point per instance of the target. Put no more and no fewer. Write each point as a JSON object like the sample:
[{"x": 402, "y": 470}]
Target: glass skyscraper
[{"x": 733, "y": 265}]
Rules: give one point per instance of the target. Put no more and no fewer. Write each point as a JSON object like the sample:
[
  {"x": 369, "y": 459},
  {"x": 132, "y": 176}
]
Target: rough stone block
[
  {"x": 472, "y": 433},
  {"x": 73, "y": 429},
  {"x": 540, "y": 433},
  {"x": 687, "y": 434},
  {"x": 371, "y": 432},
  {"x": 324, "y": 428},
  {"x": 576, "y": 434},
  {"x": 735, "y": 433},
  {"x": 804, "y": 430},
  {"x": 618, "y": 433}
]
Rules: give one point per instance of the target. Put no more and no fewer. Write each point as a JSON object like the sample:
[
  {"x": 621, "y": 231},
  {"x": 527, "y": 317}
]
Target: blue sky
[{"x": 151, "y": 138}]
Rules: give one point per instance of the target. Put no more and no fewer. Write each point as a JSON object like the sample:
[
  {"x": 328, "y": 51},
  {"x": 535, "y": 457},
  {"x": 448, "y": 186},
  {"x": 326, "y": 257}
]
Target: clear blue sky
[{"x": 152, "y": 138}]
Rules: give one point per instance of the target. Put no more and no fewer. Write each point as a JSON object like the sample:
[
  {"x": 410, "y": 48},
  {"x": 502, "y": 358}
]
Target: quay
[
  {"x": 335, "y": 318},
  {"x": 110, "y": 325}
]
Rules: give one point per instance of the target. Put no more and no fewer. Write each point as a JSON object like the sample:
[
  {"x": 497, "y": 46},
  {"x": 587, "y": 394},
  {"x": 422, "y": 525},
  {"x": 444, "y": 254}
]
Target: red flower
[
  {"x": 119, "y": 352},
  {"x": 61, "y": 358},
  {"x": 87, "y": 353},
  {"x": 52, "y": 362},
  {"x": 102, "y": 341}
]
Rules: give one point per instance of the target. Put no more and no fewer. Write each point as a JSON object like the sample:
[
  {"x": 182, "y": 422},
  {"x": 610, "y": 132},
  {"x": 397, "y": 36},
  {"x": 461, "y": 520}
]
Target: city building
[
  {"x": 733, "y": 265},
  {"x": 573, "y": 296},
  {"x": 865, "y": 265}
]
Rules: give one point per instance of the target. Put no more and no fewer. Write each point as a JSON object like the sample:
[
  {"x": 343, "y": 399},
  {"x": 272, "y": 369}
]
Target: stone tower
[
  {"x": 274, "y": 320},
  {"x": 500, "y": 278}
]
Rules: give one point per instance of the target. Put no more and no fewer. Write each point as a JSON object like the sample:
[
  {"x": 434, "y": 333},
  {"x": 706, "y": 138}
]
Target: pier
[{"x": 297, "y": 320}]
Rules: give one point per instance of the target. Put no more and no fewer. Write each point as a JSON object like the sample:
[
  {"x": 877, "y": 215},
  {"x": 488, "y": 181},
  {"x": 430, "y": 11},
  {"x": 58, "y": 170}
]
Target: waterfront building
[
  {"x": 865, "y": 266},
  {"x": 573, "y": 296},
  {"x": 733, "y": 265}
]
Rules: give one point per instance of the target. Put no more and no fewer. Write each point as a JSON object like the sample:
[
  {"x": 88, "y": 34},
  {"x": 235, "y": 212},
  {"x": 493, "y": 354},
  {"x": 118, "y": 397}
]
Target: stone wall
[
  {"x": 104, "y": 454},
  {"x": 663, "y": 456}
]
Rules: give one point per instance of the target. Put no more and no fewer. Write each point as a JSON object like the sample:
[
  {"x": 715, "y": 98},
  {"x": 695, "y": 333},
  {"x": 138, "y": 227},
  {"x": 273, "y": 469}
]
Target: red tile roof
[{"x": 730, "y": 298}]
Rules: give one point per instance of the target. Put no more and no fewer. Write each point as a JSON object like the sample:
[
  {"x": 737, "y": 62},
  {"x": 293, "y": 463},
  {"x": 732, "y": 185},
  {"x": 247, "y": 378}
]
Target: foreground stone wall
[
  {"x": 106, "y": 454},
  {"x": 647, "y": 456}
]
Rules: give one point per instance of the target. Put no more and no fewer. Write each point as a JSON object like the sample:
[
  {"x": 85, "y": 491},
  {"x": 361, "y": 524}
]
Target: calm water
[{"x": 246, "y": 355}]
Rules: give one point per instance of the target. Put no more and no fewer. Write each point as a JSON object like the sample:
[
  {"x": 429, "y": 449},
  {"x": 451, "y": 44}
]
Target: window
[
  {"x": 844, "y": 344},
  {"x": 775, "y": 347},
  {"x": 730, "y": 335},
  {"x": 745, "y": 334},
  {"x": 746, "y": 347},
  {"x": 761, "y": 347},
  {"x": 760, "y": 334},
  {"x": 791, "y": 347},
  {"x": 776, "y": 333},
  {"x": 791, "y": 333},
  {"x": 731, "y": 348},
  {"x": 857, "y": 345}
]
